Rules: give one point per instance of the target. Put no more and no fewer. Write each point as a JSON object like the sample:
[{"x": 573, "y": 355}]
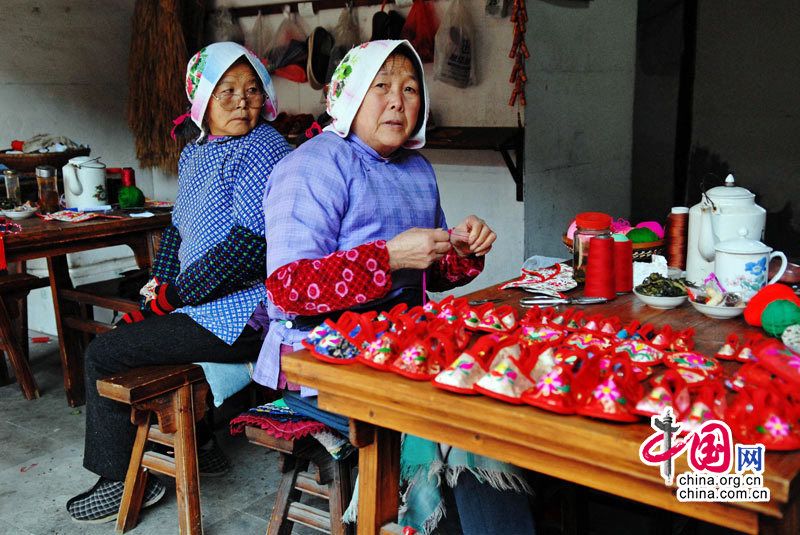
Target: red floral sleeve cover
[
  {"x": 345, "y": 279},
  {"x": 340, "y": 280}
]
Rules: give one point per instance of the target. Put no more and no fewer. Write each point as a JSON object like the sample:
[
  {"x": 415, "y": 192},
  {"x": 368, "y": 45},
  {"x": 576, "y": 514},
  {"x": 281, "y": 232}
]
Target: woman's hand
[
  {"x": 473, "y": 236},
  {"x": 417, "y": 248}
]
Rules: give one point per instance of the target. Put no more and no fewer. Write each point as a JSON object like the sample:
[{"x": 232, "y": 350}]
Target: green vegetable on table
[{"x": 656, "y": 285}]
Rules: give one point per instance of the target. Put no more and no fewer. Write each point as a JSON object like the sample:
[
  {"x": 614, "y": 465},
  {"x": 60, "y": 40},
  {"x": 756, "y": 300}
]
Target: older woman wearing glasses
[{"x": 208, "y": 278}]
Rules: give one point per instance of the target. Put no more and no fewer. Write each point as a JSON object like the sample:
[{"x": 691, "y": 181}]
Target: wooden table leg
[
  {"x": 19, "y": 363},
  {"x": 788, "y": 525},
  {"x": 68, "y": 340},
  {"x": 378, "y": 478}
]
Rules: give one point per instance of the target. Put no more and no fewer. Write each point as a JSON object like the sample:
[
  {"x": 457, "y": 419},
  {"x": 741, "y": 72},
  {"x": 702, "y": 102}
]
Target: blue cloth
[
  {"x": 334, "y": 194},
  {"x": 225, "y": 379},
  {"x": 221, "y": 184},
  {"x": 307, "y": 406}
]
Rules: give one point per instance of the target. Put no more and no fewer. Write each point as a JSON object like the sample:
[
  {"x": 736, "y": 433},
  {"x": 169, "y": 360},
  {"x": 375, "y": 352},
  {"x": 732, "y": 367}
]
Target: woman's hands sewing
[
  {"x": 472, "y": 236},
  {"x": 417, "y": 248}
]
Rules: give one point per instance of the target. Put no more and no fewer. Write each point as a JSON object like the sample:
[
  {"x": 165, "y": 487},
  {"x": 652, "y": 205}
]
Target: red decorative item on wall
[{"x": 519, "y": 52}]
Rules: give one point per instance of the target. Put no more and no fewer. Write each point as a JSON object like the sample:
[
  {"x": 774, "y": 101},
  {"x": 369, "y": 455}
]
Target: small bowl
[
  {"x": 18, "y": 215},
  {"x": 717, "y": 312},
  {"x": 664, "y": 303}
]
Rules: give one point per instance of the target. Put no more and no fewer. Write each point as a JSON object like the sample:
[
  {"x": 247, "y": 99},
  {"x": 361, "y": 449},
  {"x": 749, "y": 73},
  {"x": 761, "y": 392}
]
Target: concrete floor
[{"x": 41, "y": 448}]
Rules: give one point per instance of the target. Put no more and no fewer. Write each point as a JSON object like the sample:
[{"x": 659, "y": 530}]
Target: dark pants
[{"x": 170, "y": 339}]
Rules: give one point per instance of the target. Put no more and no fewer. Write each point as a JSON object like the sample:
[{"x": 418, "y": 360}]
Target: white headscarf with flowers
[
  {"x": 205, "y": 69},
  {"x": 352, "y": 79}
]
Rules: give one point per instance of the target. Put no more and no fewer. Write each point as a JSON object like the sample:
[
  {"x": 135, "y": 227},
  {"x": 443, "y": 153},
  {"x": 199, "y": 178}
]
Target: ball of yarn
[
  {"x": 618, "y": 236},
  {"x": 655, "y": 226},
  {"x": 765, "y": 296},
  {"x": 778, "y": 315},
  {"x": 642, "y": 235},
  {"x": 791, "y": 338}
]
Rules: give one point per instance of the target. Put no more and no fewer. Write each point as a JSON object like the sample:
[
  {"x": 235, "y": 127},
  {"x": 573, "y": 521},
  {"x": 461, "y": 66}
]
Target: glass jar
[
  {"x": 588, "y": 225},
  {"x": 12, "y": 186},
  {"x": 48, "y": 189}
]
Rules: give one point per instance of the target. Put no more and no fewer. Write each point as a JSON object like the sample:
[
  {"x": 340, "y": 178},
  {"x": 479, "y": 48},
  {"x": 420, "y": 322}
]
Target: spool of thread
[
  {"x": 623, "y": 266},
  {"x": 600, "y": 269},
  {"x": 676, "y": 236}
]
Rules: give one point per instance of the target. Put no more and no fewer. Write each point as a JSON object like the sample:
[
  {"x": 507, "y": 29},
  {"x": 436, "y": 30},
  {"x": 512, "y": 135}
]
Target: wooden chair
[
  {"x": 13, "y": 288},
  {"x": 177, "y": 396},
  {"x": 331, "y": 480}
]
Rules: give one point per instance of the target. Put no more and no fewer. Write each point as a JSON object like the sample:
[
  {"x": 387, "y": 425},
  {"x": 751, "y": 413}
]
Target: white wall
[
  {"x": 63, "y": 70},
  {"x": 579, "y": 115}
]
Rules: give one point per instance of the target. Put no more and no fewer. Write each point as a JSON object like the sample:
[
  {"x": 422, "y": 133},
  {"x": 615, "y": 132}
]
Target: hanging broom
[{"x": 155, "y": 79}]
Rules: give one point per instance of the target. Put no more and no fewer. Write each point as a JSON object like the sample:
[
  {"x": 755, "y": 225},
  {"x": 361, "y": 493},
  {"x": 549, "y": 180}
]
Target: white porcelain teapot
[
  {"x": 723, "y": 214},
  {"x": 85, "y": 182},
  {"x": 741, "y": 265}
]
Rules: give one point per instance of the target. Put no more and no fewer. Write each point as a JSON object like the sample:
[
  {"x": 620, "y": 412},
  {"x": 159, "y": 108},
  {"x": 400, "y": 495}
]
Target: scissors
[
  {"x": 529, "y": 302},
  {"x": 476, "y": 302}
]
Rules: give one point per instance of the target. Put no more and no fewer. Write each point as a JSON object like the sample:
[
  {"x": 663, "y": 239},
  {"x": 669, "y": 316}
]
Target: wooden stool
[
  {"x": 331, "y": 480},
  {"x": 13, "y": 287},
  {"x": 177, "y": 396}
]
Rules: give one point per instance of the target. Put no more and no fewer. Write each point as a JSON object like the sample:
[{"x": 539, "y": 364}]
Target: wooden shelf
[{"x": 504, "y": 140}]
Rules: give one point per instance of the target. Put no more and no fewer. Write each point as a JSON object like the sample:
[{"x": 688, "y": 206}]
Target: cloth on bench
[
  {"x": 277, "y": 420},
  {"x": 226, "y": 379}
]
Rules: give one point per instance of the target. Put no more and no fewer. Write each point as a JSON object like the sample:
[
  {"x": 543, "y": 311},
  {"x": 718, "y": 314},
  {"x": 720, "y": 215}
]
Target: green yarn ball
[
  {"x": 778, "y": 315},
  {"x": 642, "y": 235},
  {"x": 130, "y": 197}
]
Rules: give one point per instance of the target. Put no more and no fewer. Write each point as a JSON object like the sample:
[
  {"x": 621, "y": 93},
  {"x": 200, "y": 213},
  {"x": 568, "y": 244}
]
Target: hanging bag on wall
[
  {"x": 258, "y": 38},
  {"x": 454, "y": 63},
  {"x": 288, "y": 53},
  {"x": 420, "y": 29}
]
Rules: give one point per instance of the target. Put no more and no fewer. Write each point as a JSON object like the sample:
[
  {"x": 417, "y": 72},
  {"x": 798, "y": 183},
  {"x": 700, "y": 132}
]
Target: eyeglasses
[{"x": 229, "y": 101}]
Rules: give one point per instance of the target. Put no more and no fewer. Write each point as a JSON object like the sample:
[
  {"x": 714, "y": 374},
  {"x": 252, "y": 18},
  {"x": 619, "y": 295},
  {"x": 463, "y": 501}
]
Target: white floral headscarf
[
  {"x": 353, "y": 77},
  {"x": 207, "y": 67}
]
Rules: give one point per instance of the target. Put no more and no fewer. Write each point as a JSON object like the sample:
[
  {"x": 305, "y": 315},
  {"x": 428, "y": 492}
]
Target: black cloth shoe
[
  {"x": 101, "y": 503},
  {"x": 211, "y": 460}
]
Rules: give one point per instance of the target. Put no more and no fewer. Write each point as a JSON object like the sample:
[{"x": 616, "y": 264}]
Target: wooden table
[
  {"x": 53, "y": 240},
  {"x": 593, "y": 453}
]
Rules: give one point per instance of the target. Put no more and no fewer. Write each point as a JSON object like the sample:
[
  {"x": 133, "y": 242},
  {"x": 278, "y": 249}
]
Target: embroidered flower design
[
  {"x": 693, "y": 360},
  {"x": 504, "y": 372},
  {"x": 607, "y": 391},
  {"x": 551, "y": 383},
  {"x": 777, "y": 427}
]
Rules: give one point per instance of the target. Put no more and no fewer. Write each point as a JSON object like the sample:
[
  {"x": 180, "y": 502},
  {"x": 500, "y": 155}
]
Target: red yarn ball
[{"x": 766, "y": 295}]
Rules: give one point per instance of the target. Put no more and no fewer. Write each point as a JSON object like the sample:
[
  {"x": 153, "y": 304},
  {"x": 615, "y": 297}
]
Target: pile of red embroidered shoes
[{"x": 569, "y": 363}]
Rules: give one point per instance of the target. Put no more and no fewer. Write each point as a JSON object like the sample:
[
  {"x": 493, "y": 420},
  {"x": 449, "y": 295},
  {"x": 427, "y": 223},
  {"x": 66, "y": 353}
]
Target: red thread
[
  {"x": 600, "y": 269},
  {"x": 424, "y": 287},
  {"x": 623, "y": 266}
]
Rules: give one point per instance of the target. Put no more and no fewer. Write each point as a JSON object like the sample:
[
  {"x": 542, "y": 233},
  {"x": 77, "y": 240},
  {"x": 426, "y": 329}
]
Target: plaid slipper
[{"x": 101, "y": 503}]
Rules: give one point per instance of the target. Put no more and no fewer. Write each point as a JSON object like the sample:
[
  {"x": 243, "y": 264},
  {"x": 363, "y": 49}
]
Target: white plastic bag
[
  {"x": 289, "y": 44},
  {"x": 454, "y": 61},
  {"x": 258, "y": 38},
  {"x": 223, "y": 27}
]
